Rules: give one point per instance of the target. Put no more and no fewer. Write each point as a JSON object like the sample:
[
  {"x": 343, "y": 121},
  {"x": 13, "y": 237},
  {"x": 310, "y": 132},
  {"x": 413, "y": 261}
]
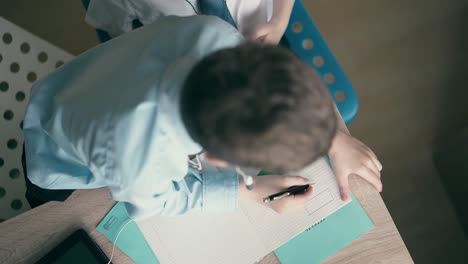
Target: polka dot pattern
[
  {"x": 31, "y": 77},
  {"x": 307, "y": 44},
  {"x": 12, "y": 143},
  {"x": 340, "y": 96},
  {"x": 14, "y": 173},
  {"x": 4, "y": 86},
  {"x": 24, "y": 59},
  {"x": 7, "y": 38},
  {"x": 14, "y": 67},
  {"x": 315, "y": 56},
  {"x": 8, "y": 115},
  {"x": 16, "y": 204},
  {"x": 42, "y": 57},
  {"x": 20, "y": 96},
  {"x": 25, "y": 48},
  {"x": 297, "y": 27},
  {"x": 318, "y": 61},
  {"x": 329, "y": 78}
]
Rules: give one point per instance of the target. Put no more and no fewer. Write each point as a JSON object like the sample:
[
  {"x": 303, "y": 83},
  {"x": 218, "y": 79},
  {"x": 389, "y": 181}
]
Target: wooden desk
[{"x": 27, "y": 237}]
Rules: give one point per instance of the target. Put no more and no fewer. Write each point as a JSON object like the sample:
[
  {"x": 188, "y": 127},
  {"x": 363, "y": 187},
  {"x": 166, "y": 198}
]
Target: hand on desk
[
  {"x": 350, "y": 156},
  {"x": 265, "y": 186}
]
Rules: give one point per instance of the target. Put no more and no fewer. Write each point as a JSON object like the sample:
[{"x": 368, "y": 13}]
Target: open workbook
[{"x": 244, "y": 236}]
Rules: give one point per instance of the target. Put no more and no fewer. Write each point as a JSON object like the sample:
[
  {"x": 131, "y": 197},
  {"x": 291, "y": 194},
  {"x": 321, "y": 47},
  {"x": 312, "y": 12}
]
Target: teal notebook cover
[
  {"x": 311, "y": 246},
  {"x": 131, "y": 241},
  {"x": 327, "y": 237}
]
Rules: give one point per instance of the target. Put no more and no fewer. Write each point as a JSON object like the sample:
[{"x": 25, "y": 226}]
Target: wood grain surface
[{"x": 27, "y": 237}]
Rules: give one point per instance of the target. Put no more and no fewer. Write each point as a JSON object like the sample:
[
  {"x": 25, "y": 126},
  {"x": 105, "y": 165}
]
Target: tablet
[{"x": 77, "y": 248}]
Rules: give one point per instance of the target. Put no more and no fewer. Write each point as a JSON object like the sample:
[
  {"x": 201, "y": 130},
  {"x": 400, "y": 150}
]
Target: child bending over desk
[{"x": 127, "y": 114}]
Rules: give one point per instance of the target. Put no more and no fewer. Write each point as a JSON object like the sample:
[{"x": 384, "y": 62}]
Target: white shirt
[{"x": 116, "y": 16}]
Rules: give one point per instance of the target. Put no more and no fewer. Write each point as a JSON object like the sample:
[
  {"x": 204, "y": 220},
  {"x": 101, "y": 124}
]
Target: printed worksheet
[{"x": 244, "y": 236}]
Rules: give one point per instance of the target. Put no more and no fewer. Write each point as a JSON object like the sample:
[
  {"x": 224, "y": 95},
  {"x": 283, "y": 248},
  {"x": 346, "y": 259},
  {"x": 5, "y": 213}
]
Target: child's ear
[{"x": 215, "y": 161}]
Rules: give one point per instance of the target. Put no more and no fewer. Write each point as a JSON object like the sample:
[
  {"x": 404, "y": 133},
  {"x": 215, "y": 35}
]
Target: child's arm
[
  {"x": 172, "y": 195},
  {"x": 350, "y": 156},
  {"x": 272, "y": 31},
  {"x": 265, "y": 186}
]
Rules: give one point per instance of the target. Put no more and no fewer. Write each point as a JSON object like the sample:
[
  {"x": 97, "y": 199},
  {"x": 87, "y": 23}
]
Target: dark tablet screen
[{"x": 77, "y": 248}]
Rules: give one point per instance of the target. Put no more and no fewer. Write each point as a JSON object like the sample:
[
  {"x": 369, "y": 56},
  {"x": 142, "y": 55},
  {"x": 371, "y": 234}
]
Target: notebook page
[
  {"x": 244, "y": 236},
  {"x": 275, "y": 229},
  {"x": 203, "y": 238}
]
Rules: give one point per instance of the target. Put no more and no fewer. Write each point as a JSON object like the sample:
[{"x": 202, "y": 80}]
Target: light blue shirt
[{"x": 111, "y": 118}]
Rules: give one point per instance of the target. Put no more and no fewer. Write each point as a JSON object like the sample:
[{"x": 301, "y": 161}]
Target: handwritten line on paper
[{"x": 319, "y": 201}]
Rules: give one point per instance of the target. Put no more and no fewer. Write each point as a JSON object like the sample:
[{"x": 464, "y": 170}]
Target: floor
[{"x": 406, "y": 60}]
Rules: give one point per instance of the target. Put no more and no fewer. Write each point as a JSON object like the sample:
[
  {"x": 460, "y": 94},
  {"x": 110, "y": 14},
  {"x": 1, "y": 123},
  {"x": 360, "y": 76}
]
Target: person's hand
[
  {"x": 350, "y": 156},
  {"x": 268, "y": 185},
  {"x": 269, "y": 33}
]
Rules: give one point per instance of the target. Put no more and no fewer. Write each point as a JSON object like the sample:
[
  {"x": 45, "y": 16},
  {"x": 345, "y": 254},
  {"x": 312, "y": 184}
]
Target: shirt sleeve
[{"x": 197, "y": 191}]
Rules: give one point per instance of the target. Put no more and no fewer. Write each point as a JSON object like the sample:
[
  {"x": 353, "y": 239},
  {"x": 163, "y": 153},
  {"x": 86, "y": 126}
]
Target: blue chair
[{"x": 304, "y": 39}]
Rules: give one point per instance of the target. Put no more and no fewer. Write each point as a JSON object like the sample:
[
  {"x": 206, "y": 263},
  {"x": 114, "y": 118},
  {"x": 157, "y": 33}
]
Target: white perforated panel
[{"x": 24, "y": 58}]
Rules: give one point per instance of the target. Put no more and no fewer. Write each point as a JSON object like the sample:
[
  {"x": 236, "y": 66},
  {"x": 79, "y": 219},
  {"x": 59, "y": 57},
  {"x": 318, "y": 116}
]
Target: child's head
[{"x": 258, "y": 106}]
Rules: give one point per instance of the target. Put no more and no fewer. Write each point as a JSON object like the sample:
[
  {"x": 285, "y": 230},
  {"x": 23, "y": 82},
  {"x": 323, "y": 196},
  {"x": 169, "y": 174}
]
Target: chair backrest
[{"x": 305, "y": 40}]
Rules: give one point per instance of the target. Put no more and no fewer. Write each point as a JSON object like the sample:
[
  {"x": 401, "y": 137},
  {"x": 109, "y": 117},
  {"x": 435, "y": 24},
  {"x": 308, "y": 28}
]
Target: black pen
[{"x": 300, "y": 189}]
